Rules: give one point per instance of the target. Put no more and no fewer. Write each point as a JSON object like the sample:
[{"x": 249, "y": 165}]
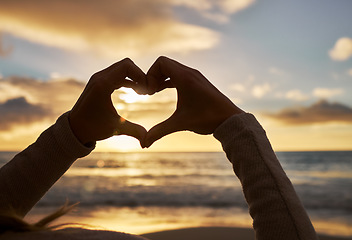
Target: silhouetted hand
[
  {"x": 94, "y": 117},
  {"x": 201, "y": 107}
]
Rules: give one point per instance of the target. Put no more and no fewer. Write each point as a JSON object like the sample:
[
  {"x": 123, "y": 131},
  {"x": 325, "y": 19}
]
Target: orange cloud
[
  {"x": 320, "y": 112},
  {"x": 127, "y": 27}
]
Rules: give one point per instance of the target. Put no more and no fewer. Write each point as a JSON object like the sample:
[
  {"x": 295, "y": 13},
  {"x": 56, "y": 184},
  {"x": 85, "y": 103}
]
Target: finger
[
  {"x": 127, "y": 69},
  {"x": 131, "y": 129},
  {"x": 137, "y": 87},
  {"x": 111, "y": 68},
  {"x": 160, "y": 130},
  {"x": 158, "y": 74},
  {"x": 131, "y": 84},
  {"x": 165, "y": 84},
  {"x": 138, "y": 77},
  {"x": 164, "y": 73}
]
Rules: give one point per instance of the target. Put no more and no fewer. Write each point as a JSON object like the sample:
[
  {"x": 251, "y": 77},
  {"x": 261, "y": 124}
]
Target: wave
[
  {"x": 322, "y": 180},
  {"x": 143, "y": 192}
]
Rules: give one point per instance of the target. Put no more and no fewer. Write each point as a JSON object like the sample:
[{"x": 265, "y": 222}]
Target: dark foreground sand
[{"x": 214, "y": 233}]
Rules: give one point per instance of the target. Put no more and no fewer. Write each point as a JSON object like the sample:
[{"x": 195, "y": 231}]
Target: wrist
[
  {"x": 77, "y": 128},
  {"x": 229, "y": 112}
]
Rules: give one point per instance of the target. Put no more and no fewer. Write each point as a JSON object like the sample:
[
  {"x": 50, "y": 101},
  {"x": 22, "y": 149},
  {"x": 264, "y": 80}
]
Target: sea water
[{"x": 145, "y": 191}]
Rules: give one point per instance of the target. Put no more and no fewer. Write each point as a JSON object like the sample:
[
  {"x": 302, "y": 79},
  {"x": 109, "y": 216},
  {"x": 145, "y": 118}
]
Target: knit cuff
[
  {"x": 225, "y": 132},
  {"x": 67, "y": 140}
]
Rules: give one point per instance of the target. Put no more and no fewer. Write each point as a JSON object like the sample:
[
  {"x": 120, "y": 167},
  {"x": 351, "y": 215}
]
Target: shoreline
[
  {"x": 157, "y": 220},
  {"x": 211, "y": 233}
]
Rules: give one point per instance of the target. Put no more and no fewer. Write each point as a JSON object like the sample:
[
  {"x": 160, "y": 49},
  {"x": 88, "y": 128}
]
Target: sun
[
  {"x": 130, "y": 96},
  {"x": 120, "y": 143}
]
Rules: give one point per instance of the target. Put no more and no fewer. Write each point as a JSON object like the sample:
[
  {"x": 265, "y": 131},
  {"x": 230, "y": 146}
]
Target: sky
[{"x": 287, "y": 62}]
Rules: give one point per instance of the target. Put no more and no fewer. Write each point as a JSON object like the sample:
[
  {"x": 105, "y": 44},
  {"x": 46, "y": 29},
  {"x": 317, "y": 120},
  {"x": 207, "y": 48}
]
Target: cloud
[
  {"x": 296, "y": 95},
  {"x": 233, "y": 6},
  {"x": 224, "y": 6},
  {"x": 147, "y": 111},
  {"x": 276, "y": 71},
  {"x": 335, "y": 76},
  {"x": 342, "y": 49},
  {"x": 150, "y": 110},
  {"x": 259, "y": 91},
  {"x": 326, "y": 92},
  {"x": 216, "y": 10},
  {"x": 25, "y": 101},
  {"x": 349, "y": 72},
  {"x": 321, "y": 93},
  {"x": 18, "y": 111},
  {"x": 320, "y": 112},
  {"x": 126, "y": 27},
  {"x": 4, "y": 50},
  {"x": 54, "y": 94},
  {"x": 238, "y": 87}
]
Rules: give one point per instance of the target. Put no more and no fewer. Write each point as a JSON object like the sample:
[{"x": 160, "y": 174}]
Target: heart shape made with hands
[{"x": 200, "y": 107}]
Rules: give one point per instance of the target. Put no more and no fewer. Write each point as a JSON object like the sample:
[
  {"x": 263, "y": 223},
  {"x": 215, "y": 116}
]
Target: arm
[
  {"x": 274, "y": 206},
  {"x": 273, "y": 203},
  {"x": 31, "y": 173}
]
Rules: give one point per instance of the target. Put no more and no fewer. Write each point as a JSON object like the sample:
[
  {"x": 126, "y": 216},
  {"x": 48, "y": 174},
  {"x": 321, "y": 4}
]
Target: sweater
[
  {"x": 276, "y": 210},
  {"x": 273, "y": 203}
]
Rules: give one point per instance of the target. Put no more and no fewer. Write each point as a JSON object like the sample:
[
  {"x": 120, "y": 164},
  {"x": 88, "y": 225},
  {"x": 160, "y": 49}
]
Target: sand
[{"x": 214, "y": 233}]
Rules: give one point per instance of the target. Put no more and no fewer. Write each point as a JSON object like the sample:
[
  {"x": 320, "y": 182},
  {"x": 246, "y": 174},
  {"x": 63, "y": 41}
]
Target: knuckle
[
  {"x": 98, "y": 83},
  {"x": 162, "y": 58},
  {"x": 126, "y": 61},
  {"x": 196, "y": 72},
  {"x": 95, "y": 79},
  {"x": 95, "y": 76}
]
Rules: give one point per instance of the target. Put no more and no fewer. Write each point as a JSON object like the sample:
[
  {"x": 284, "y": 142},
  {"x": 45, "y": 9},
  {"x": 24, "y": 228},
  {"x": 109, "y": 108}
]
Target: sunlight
[
  {"x": 121, "y": 143},
  {"x": 130, "y": 96}
]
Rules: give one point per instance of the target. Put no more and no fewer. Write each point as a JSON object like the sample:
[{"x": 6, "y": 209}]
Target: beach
[
  {"x": 213, "y": 233},
  {"x": 142, "y": 193},
  {"x": 175, "y": 223}
]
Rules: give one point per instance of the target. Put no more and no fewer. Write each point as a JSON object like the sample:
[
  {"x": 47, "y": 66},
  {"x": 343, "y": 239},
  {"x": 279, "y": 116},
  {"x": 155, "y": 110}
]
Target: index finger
[
  {"x": 136, "y": 77},
  {"x": 126, "y": 68},
  {"x": 164, "y": 73}
]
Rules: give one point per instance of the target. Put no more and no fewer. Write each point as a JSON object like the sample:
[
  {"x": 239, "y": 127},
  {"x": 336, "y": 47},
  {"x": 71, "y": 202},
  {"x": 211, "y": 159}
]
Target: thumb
[
  {"x": 162, "y": 129},
  {"x": 131, "y": 129}
]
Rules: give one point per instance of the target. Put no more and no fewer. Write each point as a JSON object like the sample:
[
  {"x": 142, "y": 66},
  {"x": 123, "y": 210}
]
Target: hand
[
  {"x": 201, "y": 107},
  {"x": 94, "y": 117}
]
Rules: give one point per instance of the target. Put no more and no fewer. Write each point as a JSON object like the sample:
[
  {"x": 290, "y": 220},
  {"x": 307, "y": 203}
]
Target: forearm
[
  {"x": 30, "y": 174},
  {"x": 273, "y": 203}
]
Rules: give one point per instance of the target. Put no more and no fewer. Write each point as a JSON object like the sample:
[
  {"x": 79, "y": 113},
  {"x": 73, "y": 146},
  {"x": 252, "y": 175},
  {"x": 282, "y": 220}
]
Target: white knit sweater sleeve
[
  {"x": 276, "y": 210},
  {"x": 31, "y": 173}
]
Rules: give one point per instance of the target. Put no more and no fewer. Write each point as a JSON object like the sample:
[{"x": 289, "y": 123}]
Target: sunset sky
[{"x": 288, "y": 62}]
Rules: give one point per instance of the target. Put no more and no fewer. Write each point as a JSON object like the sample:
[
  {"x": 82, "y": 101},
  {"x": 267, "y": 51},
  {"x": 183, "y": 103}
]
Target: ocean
[{"x": 145, "y": 191}]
